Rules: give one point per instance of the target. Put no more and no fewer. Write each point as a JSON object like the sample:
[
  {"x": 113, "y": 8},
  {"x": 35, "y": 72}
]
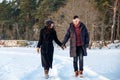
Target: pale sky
[{"x": 2, "y": 0}]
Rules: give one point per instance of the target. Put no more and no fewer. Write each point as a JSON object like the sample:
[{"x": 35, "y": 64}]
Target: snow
[
  {"x": 114, "y": 45},
  {"x": 23, "y": 63}
]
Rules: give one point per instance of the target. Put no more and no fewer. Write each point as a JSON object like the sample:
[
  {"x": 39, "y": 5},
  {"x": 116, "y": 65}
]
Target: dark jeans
[{"x": 79, "y": 56}]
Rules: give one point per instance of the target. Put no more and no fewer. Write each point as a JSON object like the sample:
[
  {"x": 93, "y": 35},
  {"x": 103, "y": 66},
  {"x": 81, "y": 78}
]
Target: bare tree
[
  {"x": 114, "y": 21},
  {"x": 17, "y": 30},
  {"x": 118, "y": 27},
  {"x": 118, "y": 21}
]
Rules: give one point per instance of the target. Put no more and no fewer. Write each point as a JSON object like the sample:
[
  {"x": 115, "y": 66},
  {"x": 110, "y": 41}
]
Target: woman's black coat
[{"x": 46, "y": 44}]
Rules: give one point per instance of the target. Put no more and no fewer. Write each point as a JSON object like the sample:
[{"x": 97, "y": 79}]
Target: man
[{"x": 79, "y": 41}]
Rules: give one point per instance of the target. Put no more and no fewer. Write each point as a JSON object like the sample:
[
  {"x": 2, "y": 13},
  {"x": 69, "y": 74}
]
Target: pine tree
[{"x": 28, "y": 11}]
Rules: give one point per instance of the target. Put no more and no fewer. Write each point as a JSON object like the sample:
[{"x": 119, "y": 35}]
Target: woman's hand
[
  {"x": 38, "y": 50},
  {"x": 63, "y": 46}
]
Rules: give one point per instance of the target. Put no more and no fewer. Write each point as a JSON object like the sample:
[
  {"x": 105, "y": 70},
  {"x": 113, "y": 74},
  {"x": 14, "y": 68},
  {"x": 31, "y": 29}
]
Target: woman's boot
[{"x": 46, "y": 74}]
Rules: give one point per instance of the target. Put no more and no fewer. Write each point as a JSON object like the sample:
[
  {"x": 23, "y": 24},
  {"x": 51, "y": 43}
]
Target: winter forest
[
  {"x": 21, "y": 18},
  {"x": 20, "y": 25}
]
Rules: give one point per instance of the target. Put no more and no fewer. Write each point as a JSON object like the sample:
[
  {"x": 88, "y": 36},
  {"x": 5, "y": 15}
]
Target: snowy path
[{"x": 24, "y": 64}]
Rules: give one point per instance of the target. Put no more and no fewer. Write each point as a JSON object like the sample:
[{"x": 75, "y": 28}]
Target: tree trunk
[
  {"x": 3, "y": 31},
  {"x": 102, "y": 32},
  {"x": 92, "y": 37},
  {"x": 118, "y": 28},
  {"x": 27, "y": 32},
  {"x": 118, "y": 22},
  {"x": 17, "y": 30},
  {"x": 114, "y": 22}
]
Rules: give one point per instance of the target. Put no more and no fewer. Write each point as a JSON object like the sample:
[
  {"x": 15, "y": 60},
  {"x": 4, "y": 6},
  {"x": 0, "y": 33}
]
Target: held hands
[
  {"x": 63, "y": 46},
  {"x": 38, "y": 50}
]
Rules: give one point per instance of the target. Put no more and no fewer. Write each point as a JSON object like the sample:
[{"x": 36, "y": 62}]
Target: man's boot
[
  {"x": 81, "y": 74},
  {"x": 76, "y": 73}
]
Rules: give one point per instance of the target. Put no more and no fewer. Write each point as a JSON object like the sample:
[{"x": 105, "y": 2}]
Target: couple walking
[{"x": 79, "y": 41}]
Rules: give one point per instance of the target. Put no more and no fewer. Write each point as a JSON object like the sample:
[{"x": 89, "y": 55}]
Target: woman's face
[{"x": 52, "y": 25}]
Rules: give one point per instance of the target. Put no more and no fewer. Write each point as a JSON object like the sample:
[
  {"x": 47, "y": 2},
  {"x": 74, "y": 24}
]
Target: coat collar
[{"x": 81, "y": 25}]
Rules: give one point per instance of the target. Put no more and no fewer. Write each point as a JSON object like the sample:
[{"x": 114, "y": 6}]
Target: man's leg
[
  {"x": 81, "y": 61},
  {"x": 75, "y": 65}
]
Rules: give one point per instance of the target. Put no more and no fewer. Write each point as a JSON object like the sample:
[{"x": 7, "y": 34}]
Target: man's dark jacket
[{"x": 72, "y": 36}]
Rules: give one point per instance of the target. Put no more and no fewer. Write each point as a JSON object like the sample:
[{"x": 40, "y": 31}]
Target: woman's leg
[{"x": 46, "y": 72}]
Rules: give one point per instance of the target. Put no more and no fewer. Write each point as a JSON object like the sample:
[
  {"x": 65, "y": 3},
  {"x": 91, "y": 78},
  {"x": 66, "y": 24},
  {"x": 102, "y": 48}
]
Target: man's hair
[{"x": 75, "y": 17}]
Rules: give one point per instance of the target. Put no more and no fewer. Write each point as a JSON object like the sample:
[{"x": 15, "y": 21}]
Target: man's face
[{"x": 76, "y": 21}]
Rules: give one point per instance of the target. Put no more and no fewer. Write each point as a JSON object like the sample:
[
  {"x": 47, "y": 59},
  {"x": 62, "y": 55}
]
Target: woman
[{"x": 47, "y": 35}]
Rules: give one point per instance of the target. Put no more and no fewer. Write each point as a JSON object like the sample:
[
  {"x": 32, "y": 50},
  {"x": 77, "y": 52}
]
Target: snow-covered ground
[{"x": 22, "y": 63}]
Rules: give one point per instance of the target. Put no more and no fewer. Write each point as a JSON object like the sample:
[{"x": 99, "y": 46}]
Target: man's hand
[
  {"x": 63, "y": 47},
  {"x": 38, "y": 50}
]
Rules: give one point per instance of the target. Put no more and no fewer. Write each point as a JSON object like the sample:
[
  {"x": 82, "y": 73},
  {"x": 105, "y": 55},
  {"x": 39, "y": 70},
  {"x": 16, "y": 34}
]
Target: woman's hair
[{"x": 48, "y": 23}]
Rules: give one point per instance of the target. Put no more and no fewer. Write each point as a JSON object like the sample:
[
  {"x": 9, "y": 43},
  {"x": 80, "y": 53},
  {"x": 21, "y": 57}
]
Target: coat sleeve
[
  {"x": 87, "y": 39},
  {"x": 40, "y": 39},
  {"x": 66, "y": 37},
  {"x": 56, "y": 39}
]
